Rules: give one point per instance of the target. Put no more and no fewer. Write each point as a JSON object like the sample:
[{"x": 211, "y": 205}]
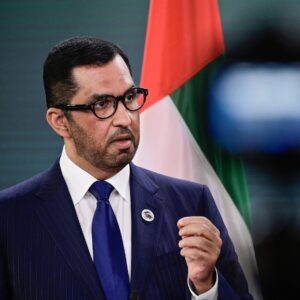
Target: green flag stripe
[{"x": 190, "y": 101}]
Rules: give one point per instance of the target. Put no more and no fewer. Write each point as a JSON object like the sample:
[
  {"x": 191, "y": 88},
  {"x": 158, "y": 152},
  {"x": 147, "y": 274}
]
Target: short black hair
[{"x": 64, "y": 57}]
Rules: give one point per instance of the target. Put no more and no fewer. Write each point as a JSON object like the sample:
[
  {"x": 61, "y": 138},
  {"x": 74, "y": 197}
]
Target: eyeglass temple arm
[{"x": 73, "y": 106}]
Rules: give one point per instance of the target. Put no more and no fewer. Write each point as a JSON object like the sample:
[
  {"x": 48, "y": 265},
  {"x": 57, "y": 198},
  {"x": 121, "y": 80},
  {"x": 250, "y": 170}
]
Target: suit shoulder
[
  {"x": 20, "y": 190},
  {"x": 164, "y": 180},
  {"x": 192, "y": 198}
]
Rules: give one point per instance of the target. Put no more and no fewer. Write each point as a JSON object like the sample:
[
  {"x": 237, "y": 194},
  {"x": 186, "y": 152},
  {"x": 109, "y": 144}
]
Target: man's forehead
[
  {"x": 117, "y": 60},
  {"x": 113, "y": 78},
  {"x": 112, "y": 70}
]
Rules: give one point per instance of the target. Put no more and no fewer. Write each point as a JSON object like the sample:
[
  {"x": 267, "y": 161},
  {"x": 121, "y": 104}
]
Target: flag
[{"x": 183, "y": 44}]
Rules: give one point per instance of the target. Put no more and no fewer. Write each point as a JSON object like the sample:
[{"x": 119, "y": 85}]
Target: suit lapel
[
  {"x": 57, "y": 213},
  {"x": 145, "y": 234}
]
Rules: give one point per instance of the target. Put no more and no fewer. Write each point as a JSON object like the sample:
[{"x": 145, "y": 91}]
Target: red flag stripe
[{"x": 182, "y": 37}]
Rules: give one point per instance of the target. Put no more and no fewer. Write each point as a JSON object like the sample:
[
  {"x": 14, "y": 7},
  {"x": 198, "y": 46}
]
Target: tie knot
[{"x": 101, "y": 190}]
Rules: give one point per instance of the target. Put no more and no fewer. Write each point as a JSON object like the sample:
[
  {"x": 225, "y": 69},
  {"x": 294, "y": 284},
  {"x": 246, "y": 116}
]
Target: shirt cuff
[{"x": 211, "y": 294}]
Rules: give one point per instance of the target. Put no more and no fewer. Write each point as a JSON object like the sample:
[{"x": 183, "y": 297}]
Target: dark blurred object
[
  {"x": 254, "y": 101},
  {"x": 254, "y": 111},
  {"x": 270, "y": 42},
  {"x": 275, "y": 190},
  {"x": 278, "y": 263}
]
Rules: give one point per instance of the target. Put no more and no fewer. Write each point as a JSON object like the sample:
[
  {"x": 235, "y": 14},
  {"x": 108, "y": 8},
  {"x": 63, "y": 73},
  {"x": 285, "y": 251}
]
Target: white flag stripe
[{"x": 168, "y": 147}]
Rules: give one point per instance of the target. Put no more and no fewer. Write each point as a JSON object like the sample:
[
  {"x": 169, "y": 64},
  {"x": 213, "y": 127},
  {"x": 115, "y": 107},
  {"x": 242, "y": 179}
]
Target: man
[{"x": 156, "y": 238}]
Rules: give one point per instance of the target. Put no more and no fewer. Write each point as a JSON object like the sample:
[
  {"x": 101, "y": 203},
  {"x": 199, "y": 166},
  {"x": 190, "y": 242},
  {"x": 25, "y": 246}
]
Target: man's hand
[{"x": 201, "y": 246}]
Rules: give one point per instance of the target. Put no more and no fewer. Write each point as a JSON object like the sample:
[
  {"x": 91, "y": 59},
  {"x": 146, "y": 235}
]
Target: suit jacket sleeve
[
  {"x": 4, "y": 286},
  {"x": 232, "y": 281}
]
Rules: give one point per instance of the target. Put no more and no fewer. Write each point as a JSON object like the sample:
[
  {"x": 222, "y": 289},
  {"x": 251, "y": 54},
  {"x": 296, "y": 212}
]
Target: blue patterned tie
[{"x": 109, "y": 255}]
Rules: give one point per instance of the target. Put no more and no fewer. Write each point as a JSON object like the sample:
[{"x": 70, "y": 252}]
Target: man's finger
[
  {"x": 199, "y": 230},
  {"x": 196, "y": 220},
  {"x": 200, "y": 243}
]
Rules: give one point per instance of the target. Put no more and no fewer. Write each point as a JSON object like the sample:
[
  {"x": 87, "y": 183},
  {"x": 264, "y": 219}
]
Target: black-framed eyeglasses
[{"x": 106, "y": 105}]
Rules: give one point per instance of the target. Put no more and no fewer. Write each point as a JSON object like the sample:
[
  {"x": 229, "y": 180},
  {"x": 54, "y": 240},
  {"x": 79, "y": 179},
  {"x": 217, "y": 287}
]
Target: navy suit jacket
[{"x": 44, "y": 256}]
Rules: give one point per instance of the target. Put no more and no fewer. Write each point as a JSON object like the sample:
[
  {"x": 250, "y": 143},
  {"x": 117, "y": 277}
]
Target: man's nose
[{"x": 122, "y": 116}]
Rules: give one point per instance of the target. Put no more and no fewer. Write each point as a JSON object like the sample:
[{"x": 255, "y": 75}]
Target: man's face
[{"x": 109, "y": 144}]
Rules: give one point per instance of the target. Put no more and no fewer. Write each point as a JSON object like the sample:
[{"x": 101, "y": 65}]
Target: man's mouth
[
  {"x": 123, "y": 141},
  {"x": 122, "y": 138}
]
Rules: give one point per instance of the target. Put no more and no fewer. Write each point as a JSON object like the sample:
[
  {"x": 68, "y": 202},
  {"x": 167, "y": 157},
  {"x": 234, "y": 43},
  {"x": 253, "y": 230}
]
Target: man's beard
[{"x": 100, "y": 158}]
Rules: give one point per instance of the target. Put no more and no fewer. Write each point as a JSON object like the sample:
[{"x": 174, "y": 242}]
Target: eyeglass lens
[{"x": 133, "y": 100}]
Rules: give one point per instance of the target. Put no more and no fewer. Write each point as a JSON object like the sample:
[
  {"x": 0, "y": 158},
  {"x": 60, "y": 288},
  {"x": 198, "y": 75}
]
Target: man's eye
[
  {"x": 102, "y": 104},
  {"x": 130, "y": 97}
]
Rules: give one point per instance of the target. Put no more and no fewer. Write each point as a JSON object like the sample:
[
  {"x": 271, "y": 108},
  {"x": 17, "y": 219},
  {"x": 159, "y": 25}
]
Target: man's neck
[{"x": 100, "y": 174}]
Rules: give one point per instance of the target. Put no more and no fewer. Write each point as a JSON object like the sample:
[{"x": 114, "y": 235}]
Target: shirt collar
[{"x": 79, "y": 181}]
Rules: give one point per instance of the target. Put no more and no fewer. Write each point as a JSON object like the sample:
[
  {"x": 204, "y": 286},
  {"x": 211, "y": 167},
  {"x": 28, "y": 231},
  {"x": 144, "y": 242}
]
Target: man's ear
[{"x": 58, "y": 121}]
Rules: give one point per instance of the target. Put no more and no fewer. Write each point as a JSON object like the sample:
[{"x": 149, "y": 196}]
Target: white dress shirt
[{"x": 79, "y": 181}]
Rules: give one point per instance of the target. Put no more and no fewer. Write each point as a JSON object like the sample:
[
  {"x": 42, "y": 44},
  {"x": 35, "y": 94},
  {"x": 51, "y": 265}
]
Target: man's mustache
[{"x": 121, "y": 133}]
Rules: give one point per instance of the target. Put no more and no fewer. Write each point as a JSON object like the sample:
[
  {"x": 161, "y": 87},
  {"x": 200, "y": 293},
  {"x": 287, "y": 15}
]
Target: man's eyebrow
[{"x": 97, "y": 97}]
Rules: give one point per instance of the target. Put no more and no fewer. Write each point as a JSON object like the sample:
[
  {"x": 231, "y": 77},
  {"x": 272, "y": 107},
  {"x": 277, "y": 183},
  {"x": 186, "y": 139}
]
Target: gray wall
[{"x": 28, "y": 29}]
